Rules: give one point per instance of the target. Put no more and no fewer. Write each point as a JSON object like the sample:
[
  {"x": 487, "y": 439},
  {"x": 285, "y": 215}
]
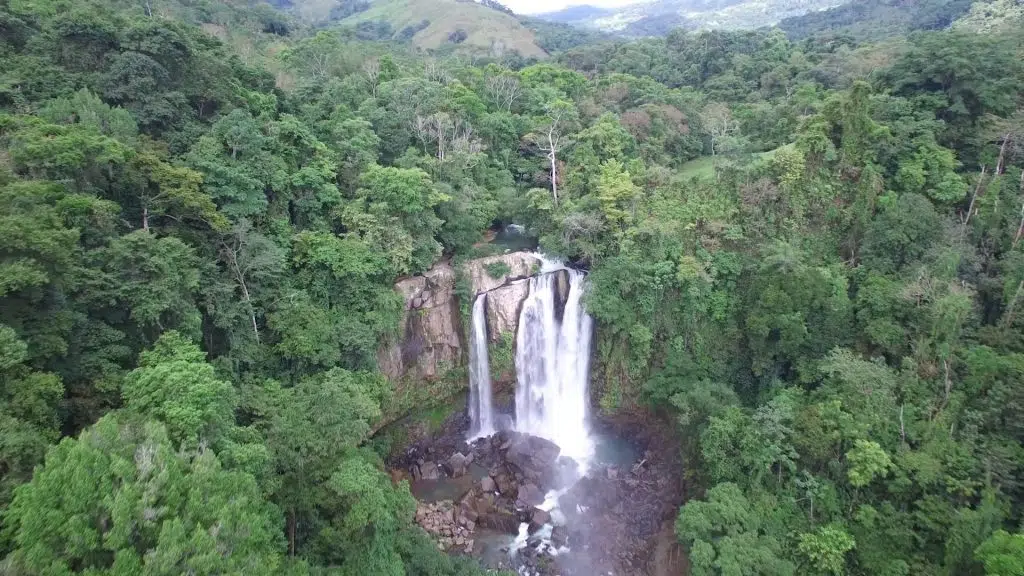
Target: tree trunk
[
  {"x": 1020, "y": 229},
  {"x": 245, "y": 293},
  {"x": 1008, "y": 317},
  {"x": 970, "y": 208},
  {"x": 554, "y": 175},
  {"x": 291, "y": 532},
  {"x": 145, "y": 218}
]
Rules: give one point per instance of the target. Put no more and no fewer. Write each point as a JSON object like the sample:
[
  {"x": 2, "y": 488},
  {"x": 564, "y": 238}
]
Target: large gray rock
[
  {"x": 520, "y": 265},
  {"x": 538, "y": 518},
  {"x": 534, "y": 457},
  {"x": 500, "y": 520},
  {"x": 529, "y": 496},
  {"x": 429, "y": 471},
  {"x": 503, "y": 307},
  {"x": 487, "y": 484},
  {"x": 429, "y": 328},
  {"x": 458, "y": 463}
]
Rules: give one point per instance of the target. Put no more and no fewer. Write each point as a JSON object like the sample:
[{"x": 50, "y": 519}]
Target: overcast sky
[{"x": 538, "y": 6}]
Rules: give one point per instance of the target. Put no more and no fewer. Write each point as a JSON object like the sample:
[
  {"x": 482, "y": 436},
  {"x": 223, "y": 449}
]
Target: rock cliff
[
  {"x": 503, "y": 307},
  {"x": 431, "y": 332},
  {"x": 432, "y": 337},
  {"x": 517, "y": 264}
]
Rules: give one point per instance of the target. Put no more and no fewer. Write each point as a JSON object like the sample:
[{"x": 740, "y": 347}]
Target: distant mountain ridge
[{"x": 658, "y": 17}]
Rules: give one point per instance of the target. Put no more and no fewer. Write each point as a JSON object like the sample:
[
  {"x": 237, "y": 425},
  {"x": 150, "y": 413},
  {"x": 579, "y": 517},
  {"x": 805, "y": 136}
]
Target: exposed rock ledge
[
  {"x": 432, "y": 336},
  {"x": 520, "y": 265}
]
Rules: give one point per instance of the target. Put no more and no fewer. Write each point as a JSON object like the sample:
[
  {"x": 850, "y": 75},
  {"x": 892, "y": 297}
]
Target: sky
[{"x": 538, "y": 6}]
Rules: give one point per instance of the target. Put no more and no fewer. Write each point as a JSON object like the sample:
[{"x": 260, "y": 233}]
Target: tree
[
  {"x": 120, "y": 499},
  {"x": 1002, "y": 554},
  {"x": 29, "y": 417},
  {"x": 254, "y": 262},
  {"x": 716, "y": 119},
  {"x": 152, "y": 279},
  {"x": 617, "y": 193},
  {"x": 174, "y": 385},
  {"x": 724, "y": 536},
  {"x": 826, "y": 549},
  {"x": 311, "y": 429},
  {"x": 558, "y": 118},
  {"x": 236, "y": 164}
]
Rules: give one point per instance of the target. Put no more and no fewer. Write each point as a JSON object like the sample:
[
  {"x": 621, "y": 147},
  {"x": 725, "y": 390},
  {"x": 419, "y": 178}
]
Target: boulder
[
  {"x": 529, "y": 495},
  {"x": 467, "y": 514},
  {"x": 483, "y": 505},
  {"x": 458, "y": 463},
  {"x": 429, "y": 471},
  {"x": 560, "y": 536},
  {"x": 506, "y": 484},
  {"x": 538, "y": 518},
  {"x": 561, "y": 292},
  {"x": 502, "y": 521},
  {"x": 534, "y": 457},
  {"x": 504, "y": 423},
  {"x": 488, "y": 485}
]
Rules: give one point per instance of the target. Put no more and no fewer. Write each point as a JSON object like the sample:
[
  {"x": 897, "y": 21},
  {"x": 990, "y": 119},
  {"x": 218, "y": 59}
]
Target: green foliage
[
  {"x": 501, "y": 356},
  {"x": 826, "y": 548},
  {"x": 725, "y": 535},
  {"x": 497, "y": 270},
  {"x": 121, "y": 497},
  {"x": 1002, "y": 554},
  {"x": 175, "y": 385}
]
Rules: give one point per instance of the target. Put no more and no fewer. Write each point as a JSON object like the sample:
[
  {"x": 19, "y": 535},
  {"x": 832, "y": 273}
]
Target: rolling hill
[{"x": 428, "y": 24}]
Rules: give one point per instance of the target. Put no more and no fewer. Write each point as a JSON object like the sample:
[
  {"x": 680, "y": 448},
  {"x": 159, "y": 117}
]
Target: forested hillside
[
  {"x": 878, "y": 19},
  {"x": 807, "y": 256}
]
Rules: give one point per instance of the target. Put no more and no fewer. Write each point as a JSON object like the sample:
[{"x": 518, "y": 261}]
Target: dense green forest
[{"x": 806, "y": 253}]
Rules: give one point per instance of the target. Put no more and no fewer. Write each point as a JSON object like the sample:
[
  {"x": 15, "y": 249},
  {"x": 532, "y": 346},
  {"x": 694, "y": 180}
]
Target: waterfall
[
  {"x": 552, "y": 366},
  {"x": 481, "y": 413}
]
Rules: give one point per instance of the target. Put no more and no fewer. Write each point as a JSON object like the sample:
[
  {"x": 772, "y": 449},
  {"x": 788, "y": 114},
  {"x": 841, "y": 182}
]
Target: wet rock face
[
  {"x": 430, "y": 327},
  {"x": 432, "y": 338},
  {"x": 533, "y": 457},
  {"x": 503, "y": 307}
]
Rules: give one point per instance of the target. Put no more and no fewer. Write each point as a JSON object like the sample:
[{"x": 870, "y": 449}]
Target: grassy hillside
[{"x": 453, "y": 22}]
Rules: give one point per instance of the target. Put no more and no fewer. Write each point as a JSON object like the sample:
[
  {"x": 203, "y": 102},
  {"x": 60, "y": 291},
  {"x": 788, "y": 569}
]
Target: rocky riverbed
[{"x": 518, "y": 493}]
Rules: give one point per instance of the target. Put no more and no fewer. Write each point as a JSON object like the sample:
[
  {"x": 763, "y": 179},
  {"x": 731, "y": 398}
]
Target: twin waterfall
[
  {"x": 481, "y": 413},
  {"x": 552, "y": 365}
]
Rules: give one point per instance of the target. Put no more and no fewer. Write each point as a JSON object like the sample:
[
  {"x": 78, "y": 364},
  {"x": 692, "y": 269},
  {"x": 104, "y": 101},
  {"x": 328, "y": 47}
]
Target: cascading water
[
  {"x": 552, "y": 366},
  {"x": 481, "y": 413}
]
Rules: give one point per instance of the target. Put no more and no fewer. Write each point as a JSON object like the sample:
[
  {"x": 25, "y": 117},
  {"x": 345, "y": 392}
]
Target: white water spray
[
  {"x": 481, "y": 412},
  {"x": 552, "y": 366}
]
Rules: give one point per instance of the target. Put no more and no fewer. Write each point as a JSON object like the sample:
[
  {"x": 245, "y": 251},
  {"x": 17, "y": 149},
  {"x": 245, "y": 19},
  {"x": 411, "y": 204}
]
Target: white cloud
[{"x": 540, "y": 6}]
